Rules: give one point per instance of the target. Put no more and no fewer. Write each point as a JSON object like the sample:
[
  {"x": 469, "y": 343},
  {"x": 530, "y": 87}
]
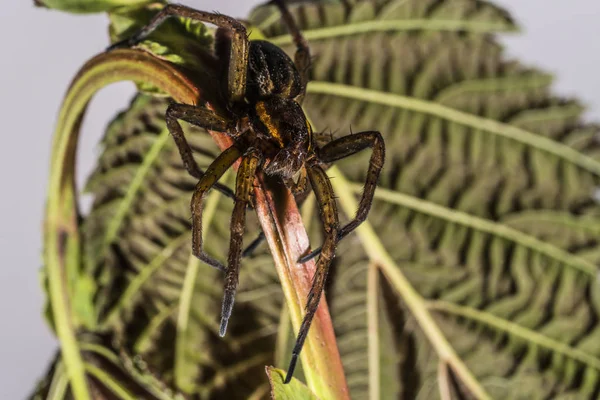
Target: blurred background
[{"x": 42, "y": 50}]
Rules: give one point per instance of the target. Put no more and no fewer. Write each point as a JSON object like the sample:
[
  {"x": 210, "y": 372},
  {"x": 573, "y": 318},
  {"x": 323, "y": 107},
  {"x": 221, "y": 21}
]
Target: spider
[{"x": 264, "y": 90}]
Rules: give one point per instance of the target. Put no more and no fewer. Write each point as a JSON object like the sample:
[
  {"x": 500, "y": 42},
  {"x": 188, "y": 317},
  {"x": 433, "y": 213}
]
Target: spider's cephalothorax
[
  {"x": 264, "y": 89},
  {"x": 273, "y": 85},
  {"x": 283, "y": 122}
]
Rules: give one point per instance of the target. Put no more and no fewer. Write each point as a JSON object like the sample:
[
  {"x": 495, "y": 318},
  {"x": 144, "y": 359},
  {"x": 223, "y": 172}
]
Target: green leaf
[
  {"x": 160, "y": 303},
  {"x": 65, "y": 272},
  {"x": 329, "y": 20},
  {"x": 489, "y": 260},
  {"x": 89, "y": 6},
  {"x": 295, "y": 390},
  {"x": 106, "y": 373},
  {"x": 475, "y": 274},
  {"x": 178, "y": 40}
]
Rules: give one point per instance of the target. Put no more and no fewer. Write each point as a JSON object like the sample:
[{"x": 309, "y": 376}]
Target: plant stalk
[
  {"x": 278, "y": 214},
  {"x": 62, "y": 243},
  {"x": 286, "y": 236}
]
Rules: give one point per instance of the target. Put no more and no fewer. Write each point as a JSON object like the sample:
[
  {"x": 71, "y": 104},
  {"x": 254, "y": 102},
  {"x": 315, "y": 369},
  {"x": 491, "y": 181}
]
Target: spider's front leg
[
  {"x": 203, "y": 118},
  {"x": 213, "y": 173},
  {"x": 329, "y": 216},
  {"x": 238, "y": 48},
  {"x": 244, "y": 186},
  {"x": 345, "y": 147},
  {"x": 302, "y": 57}
]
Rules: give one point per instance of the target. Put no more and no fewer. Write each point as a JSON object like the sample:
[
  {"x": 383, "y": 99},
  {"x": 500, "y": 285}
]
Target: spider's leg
[
  {"x": 238, "y": 57},
  {"x": 345, "y": 147},
  {"x": 215, "y": 171},
  {"x": 203, "y": 118},
  {"x": 248, "y": 251},
  {"x": 244, "y": 186},
  {"x": 302, "y": 56},
  {"x": 329, "y": 215}
]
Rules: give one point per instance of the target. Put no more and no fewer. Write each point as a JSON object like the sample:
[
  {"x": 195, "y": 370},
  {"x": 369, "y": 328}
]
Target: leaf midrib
[
  {"x": 185, "y": 299},
  {"x": 124, "y": 206},
  {"x": 587, "y": 224},
  {"x": 497, "y": 84},
  {"x": 490, "y": 227},
  {"x": 519, "y": 135},
  {"x": 514, "y": 329},
  {"x": 144, "y": 275},
  {"x": 415, "y": 303},
  {"x": 397, "y": 26}
]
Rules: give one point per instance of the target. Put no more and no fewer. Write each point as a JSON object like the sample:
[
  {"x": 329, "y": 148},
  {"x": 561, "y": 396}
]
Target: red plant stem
[{"x": 286, "y": 236}]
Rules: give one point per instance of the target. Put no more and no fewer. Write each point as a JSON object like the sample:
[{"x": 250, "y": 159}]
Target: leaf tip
[{"x": 280, "y": 390}]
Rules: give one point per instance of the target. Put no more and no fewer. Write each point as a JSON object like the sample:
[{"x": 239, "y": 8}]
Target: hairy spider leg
[
  {"x": 253, "y": 245},
  {"x": 203, "y": 118},
  {"x": 302, "y": 58},
  {"x": 329, "y": 216},
  {"x": 244, "y": 185},
  {"x": 213, "y": 173},
  {"x": 345, "y": 147},
  {"x": 238, "y": 56}
]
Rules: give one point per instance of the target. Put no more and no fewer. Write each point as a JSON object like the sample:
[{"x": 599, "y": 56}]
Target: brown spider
[{"x": 264, "y": 90}]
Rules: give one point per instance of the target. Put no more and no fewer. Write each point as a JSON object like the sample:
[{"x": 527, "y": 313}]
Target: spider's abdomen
[{"x": 271, "y": 72}]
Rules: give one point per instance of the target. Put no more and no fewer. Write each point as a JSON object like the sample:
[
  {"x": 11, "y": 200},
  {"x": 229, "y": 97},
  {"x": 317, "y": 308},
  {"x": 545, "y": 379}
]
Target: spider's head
[
  {"x": 286, "y": 163},
  {"x": 287, "y": 135}
]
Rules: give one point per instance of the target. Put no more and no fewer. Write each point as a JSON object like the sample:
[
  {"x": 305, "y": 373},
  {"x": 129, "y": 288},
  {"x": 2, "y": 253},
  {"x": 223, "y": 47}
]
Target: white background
[{"x": 41, "y": 50}]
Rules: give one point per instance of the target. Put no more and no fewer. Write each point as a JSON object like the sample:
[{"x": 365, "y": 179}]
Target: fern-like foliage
[
  {"x": 486, "y": 204},
  {"x": 476, "y": 274}
]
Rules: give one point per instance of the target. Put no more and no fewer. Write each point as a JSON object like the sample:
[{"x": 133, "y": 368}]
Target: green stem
[
  {"x": 396, "y": 26},
  {"x": 374, "y": 349},
  {"x": 58, "y": 386},
  {"x": 62, "y": 237},
  {"x": 107, "y": 380}
]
